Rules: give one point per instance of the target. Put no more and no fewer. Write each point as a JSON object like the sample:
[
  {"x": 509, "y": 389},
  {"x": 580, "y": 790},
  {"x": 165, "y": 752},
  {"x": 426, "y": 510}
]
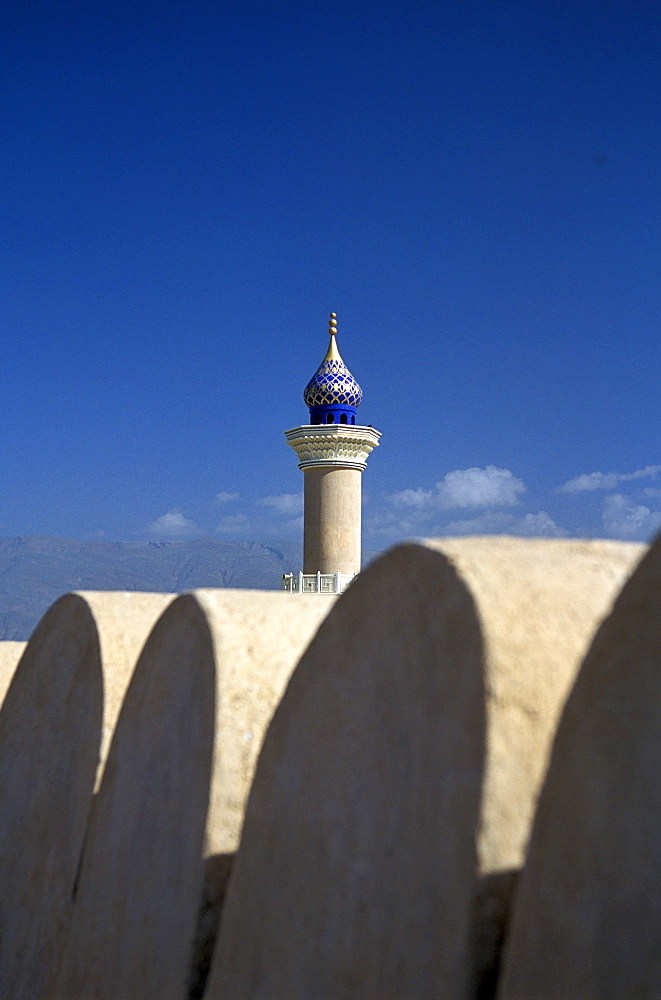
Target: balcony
[{"x": 316, "y": 583}]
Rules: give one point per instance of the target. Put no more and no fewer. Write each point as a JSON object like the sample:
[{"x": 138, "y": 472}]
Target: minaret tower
[{"x": 332, "y": 451}]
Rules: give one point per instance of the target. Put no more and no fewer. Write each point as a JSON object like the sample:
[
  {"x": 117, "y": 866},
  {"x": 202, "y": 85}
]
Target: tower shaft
[
  {"x": 331, "y": 536},
  {"x": 332, "y": 458}
]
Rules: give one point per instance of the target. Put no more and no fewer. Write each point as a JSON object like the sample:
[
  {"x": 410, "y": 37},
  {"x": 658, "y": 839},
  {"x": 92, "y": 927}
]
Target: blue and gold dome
[{"x": 332, "y": 394}]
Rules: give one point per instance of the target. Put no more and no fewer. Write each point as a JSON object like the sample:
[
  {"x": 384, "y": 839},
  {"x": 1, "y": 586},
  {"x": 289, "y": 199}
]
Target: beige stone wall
[
  {"x": 355, "y": 872},
  {"x": 123, "y": 620},
  {"x": 50, "y": 732},
  {"x": 10, "y": 654},
  {"x": 540, "y": 602},
  {"x": 259, "y": 637},
  {"x": 586, "y": 921},
  {"x": 140, "y": 879},
  {"x": 332, "y": 520}
]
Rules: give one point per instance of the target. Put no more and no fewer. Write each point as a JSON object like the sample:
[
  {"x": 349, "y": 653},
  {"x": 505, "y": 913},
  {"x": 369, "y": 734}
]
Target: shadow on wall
[
  {"x": 217, "y": 871},
  {"x": 303, "y": 789},
  {"x": 491, "y": 907}
]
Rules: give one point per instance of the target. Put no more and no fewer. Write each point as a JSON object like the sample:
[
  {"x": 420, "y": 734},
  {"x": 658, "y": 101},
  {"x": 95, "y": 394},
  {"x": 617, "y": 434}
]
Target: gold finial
[{"x": 332, "y": 354}]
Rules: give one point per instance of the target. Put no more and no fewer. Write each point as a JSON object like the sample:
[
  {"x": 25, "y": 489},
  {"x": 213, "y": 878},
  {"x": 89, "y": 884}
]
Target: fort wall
[{"x": 352, "y": 711}]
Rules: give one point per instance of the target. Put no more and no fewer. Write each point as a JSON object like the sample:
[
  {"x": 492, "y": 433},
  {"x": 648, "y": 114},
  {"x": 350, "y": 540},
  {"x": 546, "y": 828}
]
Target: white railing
[{"x": 316, "y": 583}]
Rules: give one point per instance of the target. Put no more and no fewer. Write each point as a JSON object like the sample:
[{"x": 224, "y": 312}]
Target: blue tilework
[{"x": 332, "y": 383}]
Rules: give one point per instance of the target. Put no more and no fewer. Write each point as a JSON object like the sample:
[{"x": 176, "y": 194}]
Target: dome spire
[
  {"x": 333, "y": 354},
  {"x": 332, "y": 394}
]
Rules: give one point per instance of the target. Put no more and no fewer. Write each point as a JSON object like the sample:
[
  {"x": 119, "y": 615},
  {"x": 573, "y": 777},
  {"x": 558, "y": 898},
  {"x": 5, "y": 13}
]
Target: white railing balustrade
[{"x": 316, "y": 583}]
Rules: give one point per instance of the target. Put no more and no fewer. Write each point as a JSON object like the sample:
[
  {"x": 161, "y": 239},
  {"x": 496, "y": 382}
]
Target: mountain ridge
[{"x": 35, "y": 570}]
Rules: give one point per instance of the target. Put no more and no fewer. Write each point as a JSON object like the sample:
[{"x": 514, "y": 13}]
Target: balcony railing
[{"x": 316, "y": 583}]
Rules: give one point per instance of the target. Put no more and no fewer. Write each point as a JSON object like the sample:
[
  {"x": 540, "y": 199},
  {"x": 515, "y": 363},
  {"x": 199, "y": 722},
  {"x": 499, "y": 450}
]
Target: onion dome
[{"x": 332, "y": 394}]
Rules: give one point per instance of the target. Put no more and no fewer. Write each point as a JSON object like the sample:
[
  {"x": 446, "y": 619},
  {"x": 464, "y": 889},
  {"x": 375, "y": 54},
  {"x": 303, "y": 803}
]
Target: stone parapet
[{"x": 470, "y": 708}]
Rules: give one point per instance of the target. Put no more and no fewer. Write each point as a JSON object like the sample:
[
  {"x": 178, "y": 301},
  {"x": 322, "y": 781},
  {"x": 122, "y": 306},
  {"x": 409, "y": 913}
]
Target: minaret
[{"x": 332, "y": 451}]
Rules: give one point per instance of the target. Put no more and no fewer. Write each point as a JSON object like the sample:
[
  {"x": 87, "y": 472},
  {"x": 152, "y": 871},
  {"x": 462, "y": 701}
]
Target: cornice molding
[{"x": 342, "y": 445}]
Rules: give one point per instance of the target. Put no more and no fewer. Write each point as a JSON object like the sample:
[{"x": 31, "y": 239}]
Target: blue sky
[{"x": 188, "y": 189}]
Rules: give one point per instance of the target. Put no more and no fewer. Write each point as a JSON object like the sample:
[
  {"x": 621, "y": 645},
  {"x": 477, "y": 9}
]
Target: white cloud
[
  {"x": 224, "y": 497},
  {"x": 394, "y": 524},
  {"x": 540, "y": 525},
  {"x": 649, "y": 472},
  {"x": 464, "y": 488},
  {"x": 488, "y": 487},
  {"x": 173, "y": 525},
  {"x": 414, "y": 513},
  {"x": 287, "y": 504},
  {"x": 589, "y": 481},
  {"x": 233, "y": 524},
  {"x": 417, "y": 499},
  {"x": 623, "y": 518}
]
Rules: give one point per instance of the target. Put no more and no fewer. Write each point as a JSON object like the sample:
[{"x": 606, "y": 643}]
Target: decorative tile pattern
[{"x": 332, "y": 383}]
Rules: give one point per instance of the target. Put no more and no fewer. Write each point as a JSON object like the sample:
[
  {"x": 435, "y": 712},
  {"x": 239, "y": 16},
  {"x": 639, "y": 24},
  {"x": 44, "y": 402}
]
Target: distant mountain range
[{"x": 34, "y": 572}]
